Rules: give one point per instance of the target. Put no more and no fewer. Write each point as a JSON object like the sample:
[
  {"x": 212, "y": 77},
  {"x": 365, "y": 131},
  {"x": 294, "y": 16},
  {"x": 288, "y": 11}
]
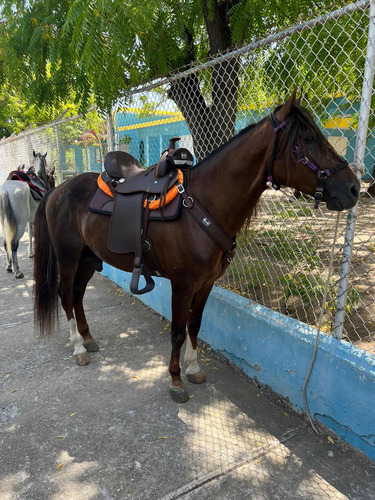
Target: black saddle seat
[{"x": 119, "y": 164}]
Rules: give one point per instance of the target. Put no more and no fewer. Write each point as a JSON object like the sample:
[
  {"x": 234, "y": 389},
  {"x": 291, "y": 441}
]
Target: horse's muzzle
[{"x": 343, "y": 200}]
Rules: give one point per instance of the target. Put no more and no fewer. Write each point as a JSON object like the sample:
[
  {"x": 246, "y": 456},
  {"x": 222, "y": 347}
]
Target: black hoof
[
  {"x": 179, "y": 396},
  {"x": 91, "y": 346},
  {"x": 19, "y": 274}
]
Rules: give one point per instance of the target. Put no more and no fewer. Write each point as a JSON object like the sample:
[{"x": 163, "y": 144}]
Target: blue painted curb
[{"x": 277, "y": 350}]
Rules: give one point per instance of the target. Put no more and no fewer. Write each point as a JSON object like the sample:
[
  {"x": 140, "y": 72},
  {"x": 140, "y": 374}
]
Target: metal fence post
[
  {"x": 59, "y": 165},
  {"x": 359, "y": 153},
  {"x": 109, "y": 122}
]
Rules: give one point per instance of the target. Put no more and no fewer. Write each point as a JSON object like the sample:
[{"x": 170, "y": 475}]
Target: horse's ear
[
  {"x": 34, "y": 154},
  {"x": 45, "y": 154},
  {"x": 287, "y": 107}
]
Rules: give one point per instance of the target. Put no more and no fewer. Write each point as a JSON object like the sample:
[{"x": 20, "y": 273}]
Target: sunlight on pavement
[
  {"x": 146, "y": 376},
  {"x": 10, "y": 483},
  {"x": 220, "y": 435},
  {"x": 224, "y": 444},
  {"x": 69, "y": 478}
]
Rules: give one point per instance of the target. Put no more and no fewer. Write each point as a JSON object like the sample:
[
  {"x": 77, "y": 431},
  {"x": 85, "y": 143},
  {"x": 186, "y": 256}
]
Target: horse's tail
[
  {"x": 9, "y": 221},
  {"x": 45, "y": 273}
]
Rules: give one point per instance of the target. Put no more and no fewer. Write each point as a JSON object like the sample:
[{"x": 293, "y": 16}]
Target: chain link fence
[{"x": 282, "y": 258}]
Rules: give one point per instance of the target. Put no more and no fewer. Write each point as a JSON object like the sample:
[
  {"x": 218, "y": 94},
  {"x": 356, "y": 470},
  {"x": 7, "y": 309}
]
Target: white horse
[{"x": 17, "y": 209}]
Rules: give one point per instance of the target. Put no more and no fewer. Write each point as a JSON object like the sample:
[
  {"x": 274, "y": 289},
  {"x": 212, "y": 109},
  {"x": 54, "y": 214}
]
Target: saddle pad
[{"x": 101, "y": 203}]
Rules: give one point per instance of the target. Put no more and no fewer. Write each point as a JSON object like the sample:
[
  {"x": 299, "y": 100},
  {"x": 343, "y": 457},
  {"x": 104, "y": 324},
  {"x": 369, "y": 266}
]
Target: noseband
[{"x": 322, "y": 174}]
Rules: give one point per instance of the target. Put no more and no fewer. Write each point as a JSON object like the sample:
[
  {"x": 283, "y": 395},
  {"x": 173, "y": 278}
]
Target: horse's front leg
[
  {"x": 181, "y": 302},
  {"x": 193, "y": 371},
  {"x": 30, "y": 229}
]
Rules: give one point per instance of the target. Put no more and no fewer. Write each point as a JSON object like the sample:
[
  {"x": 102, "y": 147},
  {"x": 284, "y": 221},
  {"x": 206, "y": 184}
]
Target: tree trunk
[
  {"x": 211, "y": 125},
  {"x": 212, "y": 121}
]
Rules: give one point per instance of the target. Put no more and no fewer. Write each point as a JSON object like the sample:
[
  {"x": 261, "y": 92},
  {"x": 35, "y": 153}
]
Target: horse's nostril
[{"x": 354, "y": 190}]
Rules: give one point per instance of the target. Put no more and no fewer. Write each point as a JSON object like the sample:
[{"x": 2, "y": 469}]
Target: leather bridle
[{"x": 322, "y": 174}]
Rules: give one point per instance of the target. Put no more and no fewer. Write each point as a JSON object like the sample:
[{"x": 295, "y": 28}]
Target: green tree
[
  {"x": 67, "y": 50},
  {"x": 16, "y": 115}
]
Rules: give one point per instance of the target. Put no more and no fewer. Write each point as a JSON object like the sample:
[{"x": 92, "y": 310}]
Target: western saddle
[
  {"x": 36, "y": 185},
  {"x": 131, "y": 186}
]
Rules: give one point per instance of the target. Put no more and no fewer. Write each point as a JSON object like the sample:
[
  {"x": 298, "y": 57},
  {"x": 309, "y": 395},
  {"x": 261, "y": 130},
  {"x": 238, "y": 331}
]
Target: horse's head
[
  {"x": 313, "y": 166},
  {"x": 40, "y": 168}
]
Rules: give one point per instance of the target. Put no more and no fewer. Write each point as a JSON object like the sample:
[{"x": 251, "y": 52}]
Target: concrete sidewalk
[{"x": 109, "y": 430}]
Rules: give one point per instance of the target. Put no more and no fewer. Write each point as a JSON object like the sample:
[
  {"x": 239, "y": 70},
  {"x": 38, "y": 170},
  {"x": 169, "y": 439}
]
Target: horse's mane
[
  {"x": 206, "y": 162},
  {"x": 218, "y": 150}
]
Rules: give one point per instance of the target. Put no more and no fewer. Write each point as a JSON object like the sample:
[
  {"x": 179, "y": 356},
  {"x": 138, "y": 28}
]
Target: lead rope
[{"x": 319, "y": 327}]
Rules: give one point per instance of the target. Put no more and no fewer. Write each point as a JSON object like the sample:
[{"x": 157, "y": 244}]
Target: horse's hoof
[
  {"x": 196, "y": 378},
  {"x": 18, "y": 274},
  {"x": 82, "y": 359},
  {"x": 91, "y": 346},
  {"x": 9, "y": 269},
  {"x": 179, "y": 395}
]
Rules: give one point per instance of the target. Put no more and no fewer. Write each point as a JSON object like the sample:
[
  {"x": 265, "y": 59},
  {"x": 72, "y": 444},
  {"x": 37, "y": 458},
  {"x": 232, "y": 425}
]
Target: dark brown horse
[{"x": 285, "y": 148}]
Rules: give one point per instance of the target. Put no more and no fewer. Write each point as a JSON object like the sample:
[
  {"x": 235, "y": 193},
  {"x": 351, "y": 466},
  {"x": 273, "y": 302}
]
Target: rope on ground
[{"x": 319, "y": 327}]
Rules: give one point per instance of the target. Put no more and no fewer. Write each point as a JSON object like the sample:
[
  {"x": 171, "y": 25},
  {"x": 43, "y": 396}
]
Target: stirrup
[{"x": 137, "y": 273}]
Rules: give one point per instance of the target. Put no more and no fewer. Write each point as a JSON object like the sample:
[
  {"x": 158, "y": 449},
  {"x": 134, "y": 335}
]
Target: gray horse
[{"x": 17, "y": 209}]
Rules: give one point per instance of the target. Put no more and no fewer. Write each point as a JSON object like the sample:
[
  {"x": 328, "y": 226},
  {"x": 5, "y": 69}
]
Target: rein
[{"x": 322, "y": 174}]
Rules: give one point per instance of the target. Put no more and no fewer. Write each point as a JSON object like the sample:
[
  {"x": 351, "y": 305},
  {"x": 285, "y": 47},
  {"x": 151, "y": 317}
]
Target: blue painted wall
[{"x": 277, "y": 350}]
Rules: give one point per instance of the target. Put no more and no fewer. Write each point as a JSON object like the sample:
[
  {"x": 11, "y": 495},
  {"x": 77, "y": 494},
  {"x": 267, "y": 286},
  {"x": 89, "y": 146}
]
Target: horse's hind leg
[
  {"x": 11, "y": 243},
  {"x": 193, "y": 371},
  {"x": 9, "y": 260},
  {"x": 15, "y": 267},
  {"x": 85, "y": 271},
  {"x": 67, "y": 278}
]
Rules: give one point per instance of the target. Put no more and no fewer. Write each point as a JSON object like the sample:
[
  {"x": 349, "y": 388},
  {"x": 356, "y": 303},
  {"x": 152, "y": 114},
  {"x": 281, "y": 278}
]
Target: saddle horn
[{"x": 172, "y": 142}]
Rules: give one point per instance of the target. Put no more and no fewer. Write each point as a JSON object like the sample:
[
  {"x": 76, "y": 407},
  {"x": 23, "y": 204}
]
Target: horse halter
[{"x": 322, "y": 174}]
